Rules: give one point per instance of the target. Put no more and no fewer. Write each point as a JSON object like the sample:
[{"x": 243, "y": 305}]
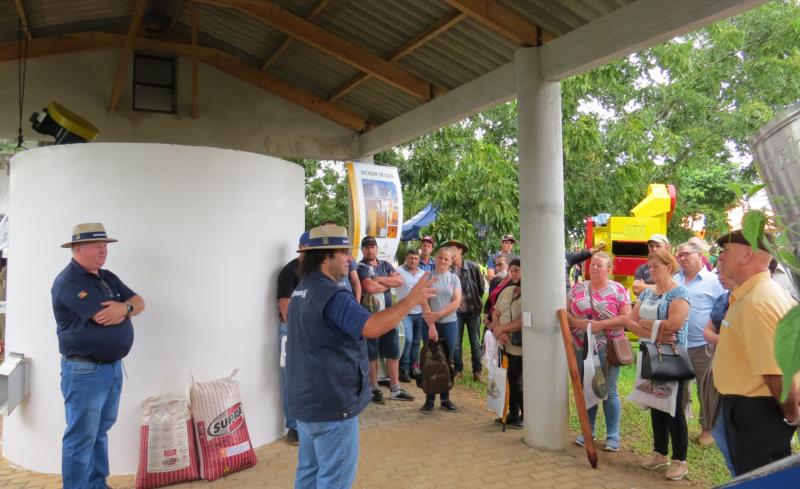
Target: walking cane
[
  {"x": 504, "y": 364},
  {"x": 577, "y": 390}
]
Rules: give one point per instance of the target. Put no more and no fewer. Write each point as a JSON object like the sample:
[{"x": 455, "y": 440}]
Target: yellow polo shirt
[{"x": 747, "y": 336}]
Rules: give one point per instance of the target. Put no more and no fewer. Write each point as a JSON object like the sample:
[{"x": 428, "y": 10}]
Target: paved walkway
[{"x": 402, "y": 448}]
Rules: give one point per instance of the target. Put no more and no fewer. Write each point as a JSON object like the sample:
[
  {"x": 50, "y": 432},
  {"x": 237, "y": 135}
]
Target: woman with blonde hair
[
  {"x": 603, "y": 304},
  {"x": 665, "y": 307},
  {"x": 440, "y": 316}
]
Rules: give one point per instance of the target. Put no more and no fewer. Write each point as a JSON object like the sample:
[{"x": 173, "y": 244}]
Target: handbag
[
  {"x": 665, "y": 362},
  {"x": 618, "y": 349},
  {"x": 436, "y": 376}
]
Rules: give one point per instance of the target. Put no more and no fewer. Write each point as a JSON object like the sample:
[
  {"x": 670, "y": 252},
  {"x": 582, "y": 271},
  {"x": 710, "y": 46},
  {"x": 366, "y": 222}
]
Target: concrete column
[{"x": 541, "y": 206}]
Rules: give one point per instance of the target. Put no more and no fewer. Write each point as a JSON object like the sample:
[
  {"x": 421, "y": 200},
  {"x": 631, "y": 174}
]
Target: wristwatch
[{"x": 130, "y": 309}]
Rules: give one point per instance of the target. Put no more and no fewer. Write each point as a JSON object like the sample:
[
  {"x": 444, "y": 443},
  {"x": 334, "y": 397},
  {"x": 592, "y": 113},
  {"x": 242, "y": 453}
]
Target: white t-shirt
[{"x": 409, "y": 281}]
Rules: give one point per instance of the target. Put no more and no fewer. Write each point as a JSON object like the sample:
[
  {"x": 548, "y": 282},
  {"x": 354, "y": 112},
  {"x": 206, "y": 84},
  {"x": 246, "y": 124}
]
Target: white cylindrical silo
[{"x": 202, "y": 235}]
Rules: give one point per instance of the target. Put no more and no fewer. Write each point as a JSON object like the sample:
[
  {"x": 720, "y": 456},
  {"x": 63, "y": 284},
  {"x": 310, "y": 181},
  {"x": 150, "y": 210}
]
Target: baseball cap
[
  {"x": 429, "y": 239},
  {"x": 509, "y": 237},
  {"x": 368, "y": 240},
  {"x": 659, "y": 238}
]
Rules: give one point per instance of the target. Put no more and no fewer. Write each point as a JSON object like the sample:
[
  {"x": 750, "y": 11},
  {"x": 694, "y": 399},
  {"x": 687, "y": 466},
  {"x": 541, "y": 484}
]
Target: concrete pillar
[{"x": 541, "y": 206}]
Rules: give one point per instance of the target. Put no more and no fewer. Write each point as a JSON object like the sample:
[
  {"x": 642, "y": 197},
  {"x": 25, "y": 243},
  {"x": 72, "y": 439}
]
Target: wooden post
[
  {"x": 195, "y": 22},
  {"x": 577, "y": 389}
]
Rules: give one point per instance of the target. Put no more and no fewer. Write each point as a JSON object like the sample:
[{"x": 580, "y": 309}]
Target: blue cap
[{"x": 303, "y": 241}]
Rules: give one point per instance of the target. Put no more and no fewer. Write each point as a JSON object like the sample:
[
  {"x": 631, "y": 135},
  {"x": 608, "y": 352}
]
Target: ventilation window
[{"x": 154, "y": 84}]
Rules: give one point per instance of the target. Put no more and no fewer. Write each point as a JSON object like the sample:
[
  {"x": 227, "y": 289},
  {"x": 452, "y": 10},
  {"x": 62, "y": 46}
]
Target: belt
[{"x": 78, "y": 358}]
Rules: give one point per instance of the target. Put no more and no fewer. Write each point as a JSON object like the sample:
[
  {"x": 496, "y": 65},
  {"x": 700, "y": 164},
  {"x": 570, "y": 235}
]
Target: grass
[{"x": 706, "y": 465}]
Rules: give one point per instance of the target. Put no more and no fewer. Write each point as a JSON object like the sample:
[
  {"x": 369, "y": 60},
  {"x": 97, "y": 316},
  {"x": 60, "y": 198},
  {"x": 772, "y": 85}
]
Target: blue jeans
[
  {"x": 611, "y": 406},
  {"x": 291, "y": 424},
  {"x": 91, "y": 401},
  {"x": 413, "y": 325},
  {"x": 718, "y": 433},
  {"x": 328, "y": 454},
  {"x": 473, "y": 324},
  {"x": 448, "y": 332}
]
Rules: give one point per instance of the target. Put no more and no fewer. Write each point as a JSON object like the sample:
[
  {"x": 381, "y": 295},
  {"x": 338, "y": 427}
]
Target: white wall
[
  {"x": 232, "y": 114},
  {"x": 202, "y": 235}
]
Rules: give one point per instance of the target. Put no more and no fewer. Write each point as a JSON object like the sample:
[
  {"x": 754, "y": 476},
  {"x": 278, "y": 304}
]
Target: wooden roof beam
[
  {"x": 345, "y": 51},
  {"x": 231, "y": 65},
  {"x": 195, "y": 26},
  {"x": 127, "y": 50},
  {"x": 502, "y": 20},
  {"x": 437, "y": 28},
  {"x": 23, "y": 18},
  {"x": 176, "y": 15},
  {"x": 285, "y": 44}
]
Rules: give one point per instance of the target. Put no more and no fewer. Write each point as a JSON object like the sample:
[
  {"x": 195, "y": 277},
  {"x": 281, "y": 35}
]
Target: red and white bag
[
  {"x": 167, "y": 453},
  {"x": 220, "y": 427}
]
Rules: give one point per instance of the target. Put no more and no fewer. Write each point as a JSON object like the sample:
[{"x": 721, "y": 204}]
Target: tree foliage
[{"x": 680, "y": 112}]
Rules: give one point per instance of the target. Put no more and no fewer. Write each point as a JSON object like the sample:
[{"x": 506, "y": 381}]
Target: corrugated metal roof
[{"x": 462, "y": 53}]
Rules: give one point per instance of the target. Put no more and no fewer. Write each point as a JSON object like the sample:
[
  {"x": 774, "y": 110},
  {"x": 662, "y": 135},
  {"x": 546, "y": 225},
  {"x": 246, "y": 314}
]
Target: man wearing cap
[
  {"x": 469, "y": 311},
  {"x": 379, "y": 277},
  {"x": 288, "y": 278},
  {"x": 506, "y": 250},
  {"x": 758, "y": 425},
  {"x": 93, "y": 310},
  {"x": 327, "y": 362},
  {"x": 426, "y": 261},
  {"x": 641, "y": 277}
]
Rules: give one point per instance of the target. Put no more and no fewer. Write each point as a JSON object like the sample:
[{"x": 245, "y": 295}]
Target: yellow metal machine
[{"x": 626, "y": 236}]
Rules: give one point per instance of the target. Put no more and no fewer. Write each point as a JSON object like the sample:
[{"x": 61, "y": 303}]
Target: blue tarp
[{"x": 412, "y": 227}]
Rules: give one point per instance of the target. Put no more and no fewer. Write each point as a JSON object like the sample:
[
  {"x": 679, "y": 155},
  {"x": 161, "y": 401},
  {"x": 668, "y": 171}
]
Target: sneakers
[
  {"x": 292, "y": 438},
  {"x": 656, "y": 461},
  {"x": 400, "y": 395},
  {"x": 677, "y": 470},
  {"x": 705, "y": 439},
  {"x": 427, "y": 408},
  {"x": 581, "y": 441},
  {"x": 377, "y": 396},
  {"x": 404, "y": 377},
  {"x": 449, "y": 406},
  {"x": 612, "y": 445}
]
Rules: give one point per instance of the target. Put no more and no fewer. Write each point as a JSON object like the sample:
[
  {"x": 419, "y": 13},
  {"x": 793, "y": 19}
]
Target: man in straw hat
[
  {"x": 93, "y": 310},
  {"x": 758, "y": 425},
  {"x": 326, "y": 362}
]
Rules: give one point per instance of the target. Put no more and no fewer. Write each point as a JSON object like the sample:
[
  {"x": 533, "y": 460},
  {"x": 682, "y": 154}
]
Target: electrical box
[{"x": 14, "y": 382}]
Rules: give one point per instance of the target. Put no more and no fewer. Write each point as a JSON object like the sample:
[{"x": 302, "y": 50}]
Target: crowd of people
[{"x": 721, "y": 312}]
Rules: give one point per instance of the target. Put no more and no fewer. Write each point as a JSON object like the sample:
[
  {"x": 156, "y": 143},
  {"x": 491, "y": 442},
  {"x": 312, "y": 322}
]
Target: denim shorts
[{"x": 387, "y": 346}]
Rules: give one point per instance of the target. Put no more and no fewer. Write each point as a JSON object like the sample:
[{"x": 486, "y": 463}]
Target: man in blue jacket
[{"x": 326, "y": 361}]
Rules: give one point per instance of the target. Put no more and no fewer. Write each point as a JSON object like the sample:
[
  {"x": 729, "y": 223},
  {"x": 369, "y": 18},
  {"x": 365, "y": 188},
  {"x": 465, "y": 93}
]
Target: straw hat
[
  {"x": 327, "y": 237},
  {"x": 88, "y": 233}
]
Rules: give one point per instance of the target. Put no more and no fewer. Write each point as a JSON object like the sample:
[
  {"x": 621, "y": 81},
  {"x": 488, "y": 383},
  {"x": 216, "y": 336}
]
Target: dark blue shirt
[
  {"x": 384, "y": 269},
  {"x": 719, "y": 310},
  {"x": 428, "y": 267},
  {"x": 77, "y": 295}
]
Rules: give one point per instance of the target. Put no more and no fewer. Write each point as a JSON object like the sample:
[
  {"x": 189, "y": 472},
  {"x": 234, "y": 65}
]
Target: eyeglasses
[{"x": 683, "y": 254}]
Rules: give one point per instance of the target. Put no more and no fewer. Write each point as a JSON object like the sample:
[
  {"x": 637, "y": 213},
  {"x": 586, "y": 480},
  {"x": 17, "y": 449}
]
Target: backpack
[{"x": 435, "y": 366}]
